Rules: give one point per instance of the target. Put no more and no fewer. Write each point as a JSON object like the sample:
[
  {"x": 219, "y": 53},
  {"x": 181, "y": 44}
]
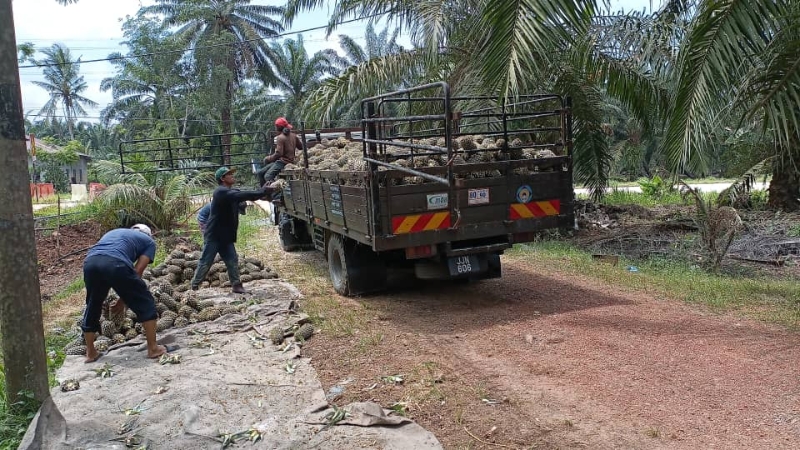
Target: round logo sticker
[{"x": 524, "y": 194}]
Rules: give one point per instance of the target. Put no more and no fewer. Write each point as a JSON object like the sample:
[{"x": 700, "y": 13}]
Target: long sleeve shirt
[{"x": 223, "y": 221}]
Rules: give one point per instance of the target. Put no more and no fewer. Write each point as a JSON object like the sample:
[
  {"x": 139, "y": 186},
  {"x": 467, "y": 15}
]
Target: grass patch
[
  {"x": 767, "y": 299},
  {"x": 77, "y": 285}
]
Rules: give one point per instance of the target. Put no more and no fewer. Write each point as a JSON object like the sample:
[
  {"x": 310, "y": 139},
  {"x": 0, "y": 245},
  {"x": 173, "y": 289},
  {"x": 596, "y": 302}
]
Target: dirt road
[{"x": 538, "y": 359}]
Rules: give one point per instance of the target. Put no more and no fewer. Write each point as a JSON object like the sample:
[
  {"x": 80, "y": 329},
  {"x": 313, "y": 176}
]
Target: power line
[{"x": 203, "y": 47}]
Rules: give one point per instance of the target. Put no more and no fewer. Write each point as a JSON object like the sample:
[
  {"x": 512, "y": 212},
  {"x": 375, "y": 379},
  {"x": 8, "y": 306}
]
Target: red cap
[{"x": 283, "y": 123}]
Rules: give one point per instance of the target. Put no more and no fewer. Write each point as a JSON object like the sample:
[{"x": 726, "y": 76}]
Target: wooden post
[
  {"x": 24, "y": 359},
  {"x": 58, "y": 225}
]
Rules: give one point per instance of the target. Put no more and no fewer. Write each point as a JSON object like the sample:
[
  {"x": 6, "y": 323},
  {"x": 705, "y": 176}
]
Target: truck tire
[
  {"x": 292, "y": 233},
  {"x": 354, "y": 269}
]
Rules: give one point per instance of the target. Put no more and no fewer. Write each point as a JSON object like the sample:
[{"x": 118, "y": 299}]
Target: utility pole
[{"x": 20, "y": 300}]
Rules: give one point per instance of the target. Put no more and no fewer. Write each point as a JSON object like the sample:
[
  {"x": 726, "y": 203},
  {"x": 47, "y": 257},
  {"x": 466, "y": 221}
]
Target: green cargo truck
[{"x": 443, "y": 186}]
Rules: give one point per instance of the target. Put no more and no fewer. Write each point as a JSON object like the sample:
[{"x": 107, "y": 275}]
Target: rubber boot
[{"x": 238, "y": 289}]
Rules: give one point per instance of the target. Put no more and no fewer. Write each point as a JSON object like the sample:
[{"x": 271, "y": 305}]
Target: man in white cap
[{"x": 117, "y": 262}]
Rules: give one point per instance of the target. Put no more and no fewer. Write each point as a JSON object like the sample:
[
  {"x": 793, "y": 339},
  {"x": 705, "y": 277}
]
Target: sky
[{"x": 92, "y": 30}]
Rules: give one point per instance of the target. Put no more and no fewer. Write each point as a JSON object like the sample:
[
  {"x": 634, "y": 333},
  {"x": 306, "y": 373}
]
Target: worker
[
  {"x": 222, "y": 227},
  {"x": 116, "y": 262},
  {"x": 202, "y": 217},
  {"x": 286, "y": 146}
]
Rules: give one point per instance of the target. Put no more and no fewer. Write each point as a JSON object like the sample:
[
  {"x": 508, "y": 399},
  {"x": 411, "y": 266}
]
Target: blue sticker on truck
[{"x": 524, "y": 194}]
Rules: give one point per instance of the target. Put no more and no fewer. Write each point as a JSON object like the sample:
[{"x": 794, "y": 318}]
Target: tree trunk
[
  {"x": 784, "y": 189},
  {"x": 20, "y": 301},
  {"x": 226, "y": 123}
]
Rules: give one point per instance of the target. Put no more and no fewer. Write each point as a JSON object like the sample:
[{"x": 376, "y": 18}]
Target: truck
[{"x": 398, "y": 208}]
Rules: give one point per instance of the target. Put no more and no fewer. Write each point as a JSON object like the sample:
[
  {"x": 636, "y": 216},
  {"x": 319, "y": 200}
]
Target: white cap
[{"x": 143, "y": 228}]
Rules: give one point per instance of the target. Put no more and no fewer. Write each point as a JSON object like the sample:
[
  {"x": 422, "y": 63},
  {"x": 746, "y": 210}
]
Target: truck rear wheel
[
  {"x": 354, "y": 269},
  {"x": 292, "y": 233}
]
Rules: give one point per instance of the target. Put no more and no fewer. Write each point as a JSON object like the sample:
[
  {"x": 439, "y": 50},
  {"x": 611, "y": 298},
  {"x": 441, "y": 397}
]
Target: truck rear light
[{"x": 421, "y": 251}]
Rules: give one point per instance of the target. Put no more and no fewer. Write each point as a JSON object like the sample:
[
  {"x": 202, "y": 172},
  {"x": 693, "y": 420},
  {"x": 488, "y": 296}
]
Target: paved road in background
[{"x": 703, "y": 187}]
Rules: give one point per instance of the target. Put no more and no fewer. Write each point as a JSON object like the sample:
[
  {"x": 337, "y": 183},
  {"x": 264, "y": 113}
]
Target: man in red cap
[{"x": 286, "y": 146}]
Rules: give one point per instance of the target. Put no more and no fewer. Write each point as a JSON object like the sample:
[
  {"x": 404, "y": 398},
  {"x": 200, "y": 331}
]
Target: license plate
[{"x": 463, "y": 265}]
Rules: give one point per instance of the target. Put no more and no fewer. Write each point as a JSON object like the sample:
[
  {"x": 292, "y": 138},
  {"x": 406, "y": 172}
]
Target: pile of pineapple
[
  {"x": 178, "y": 269},
  {"x": 177, "y": 306},
  {"x": 343, "y": 155}
]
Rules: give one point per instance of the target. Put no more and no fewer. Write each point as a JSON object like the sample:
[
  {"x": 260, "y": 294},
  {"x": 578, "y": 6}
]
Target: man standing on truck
[
  {"x": 286, "y": 146},
  {"x": 222, "y": 226}
]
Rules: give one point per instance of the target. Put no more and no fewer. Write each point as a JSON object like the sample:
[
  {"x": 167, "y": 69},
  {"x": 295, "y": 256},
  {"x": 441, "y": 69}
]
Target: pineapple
[
  {"x": 230, "y": 310},
  {"x": 127, "y": 324},
  {"x": 76, "y": 350},
  {"x": 209, "y": 314},
  {"x": 192, "y": 302},
  {"x": 304, "y": 332},
  {"x": 186, "y": 311},
  {"x": 192, "y": 264},
  {"x": 268, "y": 275},
  {"x": 108, "y": 328},
  {"x": 174, "y": 269},
  {"x": 467, "y": 143},
  {"x": 180, "y": 322},
  {"x": 101, "y": 346},
  {"x": 167, "y": 289},
  {"x": 177, "y": 254},
  {"x": 118, "y": 338},
  {"x": 169, "y": 315},
  {"x": 188, "y": 273},
  {"x": 169, "y": 303},
  {"x": 206, "y": 304},
  {"x": 178, "y": 262},
  {"x": 163, "y": 323},
  {"x": 254, "y": 261},
  {"x": 276, "y": 335},
  {"x": 246, "y": 278},
  {"x": 131, "y": 334}
]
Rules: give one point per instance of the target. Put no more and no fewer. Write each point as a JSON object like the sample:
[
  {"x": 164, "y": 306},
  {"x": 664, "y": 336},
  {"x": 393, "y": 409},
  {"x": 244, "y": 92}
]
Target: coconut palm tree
[
  {"x": 237, "y": 28},
  {"x": 64, "y": 84}
]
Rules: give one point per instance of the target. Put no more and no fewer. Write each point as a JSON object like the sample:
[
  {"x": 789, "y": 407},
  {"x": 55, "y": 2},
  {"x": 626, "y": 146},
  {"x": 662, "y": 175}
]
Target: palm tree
[
  {"x": 296, "y": 74},
  {"x": 740, "y": 62},
  {"x": 377, "y": 45},
  {"x": 64, "y": 84},
  {"x": 159, "y": 199},
  {"x": 237, "y": 27}
]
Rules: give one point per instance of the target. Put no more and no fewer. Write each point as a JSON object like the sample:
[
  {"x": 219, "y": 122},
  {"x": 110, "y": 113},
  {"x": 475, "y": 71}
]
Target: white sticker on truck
[
  {"x": 478, "y": 196},
  {"x": 437, "y": 201}
]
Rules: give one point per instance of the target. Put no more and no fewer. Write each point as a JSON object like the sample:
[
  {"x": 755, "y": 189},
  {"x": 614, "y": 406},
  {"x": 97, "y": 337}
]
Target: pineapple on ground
[
  {"x": 304, "y": 332},
  {"x": 276, "y": 335},
  {"x": 164, "y": 323},
  {"x": 108, "y": 329}
]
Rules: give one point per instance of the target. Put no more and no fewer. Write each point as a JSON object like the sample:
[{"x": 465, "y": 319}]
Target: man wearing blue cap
[{"x": 222, "y": 226}]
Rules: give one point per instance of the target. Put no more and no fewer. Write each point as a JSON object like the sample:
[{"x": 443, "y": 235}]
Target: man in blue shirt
[
  {"x": 202, "y": 217},
  {"x": 117, "y": 262},
  {"x": 222, "y": 227}
]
